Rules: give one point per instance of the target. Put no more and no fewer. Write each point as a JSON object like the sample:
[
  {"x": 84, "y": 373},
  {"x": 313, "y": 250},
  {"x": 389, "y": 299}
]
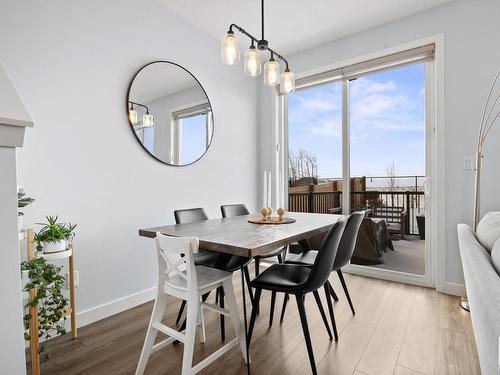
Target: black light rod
[
  {"x": 262, "y": 13},
  {"x": 243, "y": 31},
  {"x": 139, "y": 104}
]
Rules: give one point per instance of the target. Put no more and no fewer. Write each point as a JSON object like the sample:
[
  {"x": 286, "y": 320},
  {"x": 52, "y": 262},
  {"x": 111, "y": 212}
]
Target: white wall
[
  {"x": 471, "y": 35},
  {"x": 72, "y": 62}
]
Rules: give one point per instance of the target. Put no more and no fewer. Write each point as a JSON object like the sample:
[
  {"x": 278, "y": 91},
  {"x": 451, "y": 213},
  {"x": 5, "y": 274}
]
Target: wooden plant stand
[{"x": 71, "y": 311}]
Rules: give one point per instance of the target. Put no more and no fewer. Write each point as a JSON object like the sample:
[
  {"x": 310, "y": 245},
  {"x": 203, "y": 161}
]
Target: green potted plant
[
  {"x": 48, "y": 283},
  {"x": 54, "y": 236},
  {"x": 22, "y": 201}
]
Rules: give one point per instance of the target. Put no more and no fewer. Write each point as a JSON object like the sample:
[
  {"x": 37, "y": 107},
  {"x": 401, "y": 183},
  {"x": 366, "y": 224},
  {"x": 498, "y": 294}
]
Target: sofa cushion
[
  {"x": 495, "y": 255},
  {"x": 488, "y": 229}
]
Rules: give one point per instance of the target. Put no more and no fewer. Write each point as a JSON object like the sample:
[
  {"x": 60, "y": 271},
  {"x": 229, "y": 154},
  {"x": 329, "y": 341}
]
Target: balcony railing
[{"x": 331, "y": 202}]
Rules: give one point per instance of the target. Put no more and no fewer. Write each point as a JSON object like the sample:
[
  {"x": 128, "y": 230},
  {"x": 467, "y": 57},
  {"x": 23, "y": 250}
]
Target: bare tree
[
  {"x": 302, "y": 165},
  {"x": 391, "y": 177}
]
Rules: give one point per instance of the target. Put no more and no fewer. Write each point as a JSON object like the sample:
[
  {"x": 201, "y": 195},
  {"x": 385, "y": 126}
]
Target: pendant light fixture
[
  {"x": 148, "y": 120},
  {"x": 230, "y": 55},
  {"x": 252, "y": 66},
  {"x": 132, "y": 114},
  {"x": 230, "y": 51},
  {"x": 271, "y": 72}
]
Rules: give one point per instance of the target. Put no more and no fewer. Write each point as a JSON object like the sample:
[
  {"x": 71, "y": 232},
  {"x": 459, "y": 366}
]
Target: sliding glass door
[
  {"x": 357, "y": 139},
  {"x": 387, "y": 167}
]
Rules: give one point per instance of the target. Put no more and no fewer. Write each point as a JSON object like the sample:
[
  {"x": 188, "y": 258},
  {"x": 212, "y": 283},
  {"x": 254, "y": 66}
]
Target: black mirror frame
[{"x": 132, "y": 128}]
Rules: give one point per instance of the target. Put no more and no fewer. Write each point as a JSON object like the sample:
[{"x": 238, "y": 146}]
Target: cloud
[
  {"x": 375, "y": 105},
  {"x": 365, "y": 86},
  {"x": 408, "y": 126},
  {"x": 328, "y": 128},
  {"x": 321, "y": 104}
]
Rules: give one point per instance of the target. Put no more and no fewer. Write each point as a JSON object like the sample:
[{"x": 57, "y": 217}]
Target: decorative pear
[
  {"x": 264, "y": 212},
  {"x": 281, "y": 213}
]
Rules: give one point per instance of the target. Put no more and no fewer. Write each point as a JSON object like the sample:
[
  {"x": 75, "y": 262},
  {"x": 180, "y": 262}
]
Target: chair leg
[
  {"x": 183, "y": 326},
  {"x": 246, "y": 275},
  {"x": 256, "y": 299},
  {"x": 257, "y": 272},
  {"x": 285, "y": 301},
  {"x": 201, "y": 321},
  {"x": 190, "y": 334},
  {"x": 222, "y": 323},
  {"x": 330, "y": 309},
  {"x": 342, "y": 281},
  {"x": 332, "y": 291},
  {"x": 323, "y": 315},
  {"x": 280, "y": 259},
  {"x": 271, "y": 314},
  {"x": 181, "y": 310},
  {"x": 157, "y": 314},
  {"x": 235, "y": 316},
  {"x": 305, "y": 328}
]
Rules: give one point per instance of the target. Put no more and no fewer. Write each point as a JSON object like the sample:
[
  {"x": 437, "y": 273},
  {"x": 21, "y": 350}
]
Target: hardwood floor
[{"x": 398, "y": 329}]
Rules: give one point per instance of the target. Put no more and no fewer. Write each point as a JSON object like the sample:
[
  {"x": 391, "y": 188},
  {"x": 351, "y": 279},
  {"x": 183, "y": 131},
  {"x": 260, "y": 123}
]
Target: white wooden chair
[{"x": 179, "y": 277}]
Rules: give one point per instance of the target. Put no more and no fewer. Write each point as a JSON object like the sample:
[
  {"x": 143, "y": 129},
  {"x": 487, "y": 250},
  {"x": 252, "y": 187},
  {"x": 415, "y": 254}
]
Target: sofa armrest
[{"x": 483, "y": 291}]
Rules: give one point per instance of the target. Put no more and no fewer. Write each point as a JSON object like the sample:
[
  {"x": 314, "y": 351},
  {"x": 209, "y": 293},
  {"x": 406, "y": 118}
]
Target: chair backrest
[
  {"x": 176, "y": 258},
  {"x": 348, "y": 240},
  {"x": 323, "y": 264},
  {"x": 230, "y": 210},
  {"x": 190, "y": 215}
]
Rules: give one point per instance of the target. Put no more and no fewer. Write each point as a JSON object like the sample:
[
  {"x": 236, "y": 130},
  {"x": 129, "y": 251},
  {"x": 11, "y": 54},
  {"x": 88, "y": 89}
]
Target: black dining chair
[
  {"x": 212, "y": 259},
  {"x": 231, "y": 210},
  {"x": 299, "y": 280},
  {"x": 344, "y": 254}
]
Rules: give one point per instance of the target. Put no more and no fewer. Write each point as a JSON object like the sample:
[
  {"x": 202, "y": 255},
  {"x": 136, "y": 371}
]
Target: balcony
[{"x": 397, "y": 200}]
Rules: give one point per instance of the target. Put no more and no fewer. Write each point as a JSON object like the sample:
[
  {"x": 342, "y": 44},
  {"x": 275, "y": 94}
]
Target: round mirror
[{"x": 169, "y": 113}]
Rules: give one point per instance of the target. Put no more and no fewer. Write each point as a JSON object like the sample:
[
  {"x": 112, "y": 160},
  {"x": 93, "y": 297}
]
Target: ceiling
[
  {"x": 296, "y": 25},
  {"x": 159, "y": 80}
]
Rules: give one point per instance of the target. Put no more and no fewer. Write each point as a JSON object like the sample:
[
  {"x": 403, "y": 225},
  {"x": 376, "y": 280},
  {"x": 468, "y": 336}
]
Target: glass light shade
[
  {"x": 148, "y": 120},
  {"x": 132, "y": 115},
  {"x": 230, "y": 50},
  {"x": 287, "y": 82},
  {"x": 253, "y": 67},
  {"x": 271, "y": 73}
]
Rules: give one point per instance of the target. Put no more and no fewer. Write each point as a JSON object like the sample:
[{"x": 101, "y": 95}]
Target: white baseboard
[
  {"x": 114, "y": 307},
  {"x": 385, "y": 274},
  {"x": 454, "y": 289},
  {"x": 108, "y": 309}
]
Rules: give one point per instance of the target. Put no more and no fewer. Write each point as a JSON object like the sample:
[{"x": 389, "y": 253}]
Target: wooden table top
[{"x": 235, "y": 235}]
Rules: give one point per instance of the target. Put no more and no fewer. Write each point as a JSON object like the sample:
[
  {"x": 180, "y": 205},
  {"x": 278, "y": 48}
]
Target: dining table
[{"x": 237, "y": 236}]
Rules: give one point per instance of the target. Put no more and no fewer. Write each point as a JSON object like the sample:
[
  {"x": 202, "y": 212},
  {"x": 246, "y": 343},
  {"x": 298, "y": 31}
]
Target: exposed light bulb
[
  {"x": 230, "y": 49},
  {"x": 253, "y": 65},
  {"x": 271, "y": 72},
  {"x": 132, "y": 115},
  {"x": 148, "y": 120},
  {"x": 287, "y": 82}
]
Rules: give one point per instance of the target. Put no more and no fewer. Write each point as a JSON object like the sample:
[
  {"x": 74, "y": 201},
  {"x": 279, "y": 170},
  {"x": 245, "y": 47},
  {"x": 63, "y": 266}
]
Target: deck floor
[
  {"x": 408, "y": 256},
  {"x": 398, "y": 329}
]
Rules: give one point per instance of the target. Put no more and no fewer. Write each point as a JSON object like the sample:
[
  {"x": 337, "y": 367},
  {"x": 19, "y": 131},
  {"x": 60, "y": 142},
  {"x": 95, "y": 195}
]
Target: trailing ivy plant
[{"x": 46, "y": 279}]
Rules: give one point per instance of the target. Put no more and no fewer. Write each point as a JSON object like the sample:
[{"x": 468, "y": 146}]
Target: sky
[
  {"x": 386, "y": 117},
  {"x": 193, "y": 138}
]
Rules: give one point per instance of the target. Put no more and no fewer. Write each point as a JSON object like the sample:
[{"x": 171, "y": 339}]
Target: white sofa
[{"x": 481, "y": 268}]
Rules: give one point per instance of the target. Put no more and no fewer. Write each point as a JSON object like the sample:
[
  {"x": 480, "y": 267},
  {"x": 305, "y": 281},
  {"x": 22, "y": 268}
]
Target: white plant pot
[
  {"x": 54, "y": 247},
  {"x": 20, "y": 222}
]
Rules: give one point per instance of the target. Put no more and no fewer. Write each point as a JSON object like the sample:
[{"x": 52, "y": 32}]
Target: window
[{"x": 191, "y": 136}]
